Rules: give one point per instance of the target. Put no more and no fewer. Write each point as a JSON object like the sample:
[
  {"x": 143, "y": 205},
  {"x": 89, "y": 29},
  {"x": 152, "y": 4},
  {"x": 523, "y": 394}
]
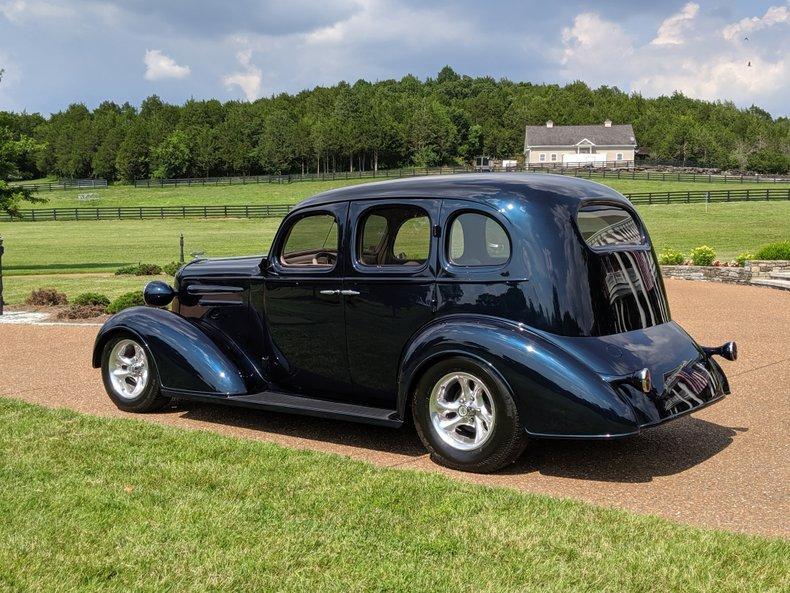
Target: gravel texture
[{"x": 723, "y": 467}]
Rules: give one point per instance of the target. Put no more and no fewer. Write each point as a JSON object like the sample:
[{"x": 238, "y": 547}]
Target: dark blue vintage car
[{"x": 492, "y": 308}]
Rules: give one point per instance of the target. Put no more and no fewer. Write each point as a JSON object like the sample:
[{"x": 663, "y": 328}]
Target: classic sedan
[{"x": 491, "y": 308}]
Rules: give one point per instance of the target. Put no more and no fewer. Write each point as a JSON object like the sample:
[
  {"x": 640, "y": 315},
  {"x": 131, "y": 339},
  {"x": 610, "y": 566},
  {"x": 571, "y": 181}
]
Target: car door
[
  {"x": 303, "y": 305},
  {"x": 389, "y": 289}
]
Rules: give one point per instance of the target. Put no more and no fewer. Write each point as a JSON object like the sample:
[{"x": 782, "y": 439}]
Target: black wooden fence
[
  {"x": 150, "y": 212},
  {"x": 280, "y": 210},
  {"x": 63, "y": 184},
  {"x": 613, "y": 170}
]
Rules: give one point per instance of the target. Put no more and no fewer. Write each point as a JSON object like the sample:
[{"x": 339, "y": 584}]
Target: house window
[
  {"x": 619, "y": 156},
  {"x": 542, "y": 157},
  {"x": 553, "y": 157}
]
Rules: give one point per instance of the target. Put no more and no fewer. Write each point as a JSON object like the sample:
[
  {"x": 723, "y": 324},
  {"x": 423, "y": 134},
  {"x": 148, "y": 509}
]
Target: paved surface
[{"x": 724, "y": 467}]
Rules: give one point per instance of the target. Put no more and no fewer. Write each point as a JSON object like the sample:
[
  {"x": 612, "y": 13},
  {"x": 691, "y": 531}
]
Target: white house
[{"x": 574, "y": 145}]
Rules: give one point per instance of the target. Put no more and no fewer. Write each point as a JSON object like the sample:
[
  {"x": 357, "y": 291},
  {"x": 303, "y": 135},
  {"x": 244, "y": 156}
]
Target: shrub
[
  {"x": 669, "y": 257},
  {"x": 139, "y": 270},
  {"x": 46, "y": 297},
  {"x": 743, "y": 258},
  {"x": 703, "y": 255},
  {"x": 74, "y": 311},
  {"x": 130, "y": 299},
  {"x": 768, "y": 161},
  {"x": 171, "y": 268},
  {"x": 778, "y": 250},
  {"x": 91, "y": 299}
]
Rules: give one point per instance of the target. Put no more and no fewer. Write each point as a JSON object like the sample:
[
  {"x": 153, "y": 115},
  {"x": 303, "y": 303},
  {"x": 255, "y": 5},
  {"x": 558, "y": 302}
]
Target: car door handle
[
  {"x": 330, "y": 292},
  {"x": 349, "y": 292}
]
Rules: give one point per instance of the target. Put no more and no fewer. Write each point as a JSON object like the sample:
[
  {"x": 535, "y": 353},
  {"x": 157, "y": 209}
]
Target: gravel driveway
[{"x": 724, "y": 467}]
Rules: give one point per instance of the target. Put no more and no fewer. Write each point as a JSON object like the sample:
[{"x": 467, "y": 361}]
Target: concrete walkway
[{"x": 724, "y": 467}]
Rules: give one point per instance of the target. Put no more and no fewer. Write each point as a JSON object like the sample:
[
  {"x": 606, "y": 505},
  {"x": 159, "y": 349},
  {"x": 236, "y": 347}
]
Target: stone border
[
  {"x": 708, "y": 273},
  {"x": 751, "y": 270},
  {"x": 762, "y": 268}
]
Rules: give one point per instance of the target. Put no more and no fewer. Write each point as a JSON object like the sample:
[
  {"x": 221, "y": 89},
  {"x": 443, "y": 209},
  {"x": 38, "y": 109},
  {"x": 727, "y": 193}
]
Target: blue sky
[{"x": 57, "y": 52}]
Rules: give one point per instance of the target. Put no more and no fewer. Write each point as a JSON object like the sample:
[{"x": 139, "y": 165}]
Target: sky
[{"x": 58, "y": 52}]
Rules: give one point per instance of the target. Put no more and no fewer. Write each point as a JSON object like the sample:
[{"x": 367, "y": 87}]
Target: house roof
[{"x": 571, "y": 135}]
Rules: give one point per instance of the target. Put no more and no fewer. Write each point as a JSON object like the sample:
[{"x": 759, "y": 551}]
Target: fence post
[
  {"x": 2, "y": 249},
  {"x": 181, "y": 248}
]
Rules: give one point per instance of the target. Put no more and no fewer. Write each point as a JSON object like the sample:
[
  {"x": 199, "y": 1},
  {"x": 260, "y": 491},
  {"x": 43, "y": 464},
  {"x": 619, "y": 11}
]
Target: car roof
[{"x": 489, "y": 188}]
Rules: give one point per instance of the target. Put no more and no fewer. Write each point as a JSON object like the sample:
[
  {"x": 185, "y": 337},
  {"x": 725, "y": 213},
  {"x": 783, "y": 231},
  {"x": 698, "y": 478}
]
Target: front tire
[
  {"x": 130, "y": 376},
  {"x": 466, "y": 417}
]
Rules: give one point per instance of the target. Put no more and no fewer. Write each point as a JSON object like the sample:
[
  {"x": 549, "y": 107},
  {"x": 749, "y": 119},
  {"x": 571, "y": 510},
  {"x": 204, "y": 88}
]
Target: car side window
[
  {"x": 477, "y": 239},
  {"x": 312, "y": 241},
  {"x": 394, "y": 236}
]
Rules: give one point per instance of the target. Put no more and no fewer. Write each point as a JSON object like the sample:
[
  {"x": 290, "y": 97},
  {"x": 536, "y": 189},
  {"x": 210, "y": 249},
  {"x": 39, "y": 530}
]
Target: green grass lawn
[
  {"x": 101, "y": 247},
  {"x": 91, "y": 504},
  {"x": 17, "y": 288},
  {"x": 264, "y": 193}
]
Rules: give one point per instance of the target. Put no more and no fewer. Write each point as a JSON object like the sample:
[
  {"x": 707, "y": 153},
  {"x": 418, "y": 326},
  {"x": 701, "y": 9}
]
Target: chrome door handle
[
  {"x": 350, "y": 292},
  {"x": 330, "y": 292}
]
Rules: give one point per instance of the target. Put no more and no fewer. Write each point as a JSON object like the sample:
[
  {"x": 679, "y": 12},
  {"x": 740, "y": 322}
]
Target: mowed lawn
[
  {"x": 92, "y": 504},
  {"x": 35, "y": 252},
  {"x": 291, "y": 193}
]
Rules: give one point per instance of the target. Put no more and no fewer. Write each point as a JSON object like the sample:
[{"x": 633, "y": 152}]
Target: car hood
[{"x": 226, "y": 267}]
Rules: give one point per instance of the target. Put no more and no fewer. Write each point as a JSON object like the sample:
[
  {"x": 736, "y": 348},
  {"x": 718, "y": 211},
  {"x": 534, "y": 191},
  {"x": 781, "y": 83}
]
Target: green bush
[
  {"x": 46, "y": 297},
  {"x": 130, "y": 299},
  {"x": 171, "y": 268},
  {"x": 669, "y": 257},
  {"x": 768, "y": 161},
  {"x": 93, "y": 299},
  {"x": 139, "y": 270},
  {"x": 743, "y": 258},
  {"x": 778, "y": 250},
  {"x": 702, "y": 256}
]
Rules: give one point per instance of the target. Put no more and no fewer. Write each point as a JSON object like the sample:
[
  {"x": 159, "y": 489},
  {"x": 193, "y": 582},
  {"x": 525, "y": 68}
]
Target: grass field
[
  {"x": 93, "y": 504},
  {"x": 125, "y": 195},
  {"x": 37, "y": 252}
]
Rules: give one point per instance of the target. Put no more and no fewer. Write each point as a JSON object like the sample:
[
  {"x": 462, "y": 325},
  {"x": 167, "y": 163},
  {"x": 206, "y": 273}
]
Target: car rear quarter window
[
  {"x": 476, "y": 239},
  {"x": 607, "y": 226}
]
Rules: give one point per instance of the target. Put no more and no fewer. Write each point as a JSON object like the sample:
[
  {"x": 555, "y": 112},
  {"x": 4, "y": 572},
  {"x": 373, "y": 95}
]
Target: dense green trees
[{"x": 444, "y": 120}]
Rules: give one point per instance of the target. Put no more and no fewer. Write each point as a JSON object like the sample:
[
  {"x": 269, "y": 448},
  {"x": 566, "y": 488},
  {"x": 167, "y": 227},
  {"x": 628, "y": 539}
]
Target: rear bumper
[{"x": 684, "y": 390}]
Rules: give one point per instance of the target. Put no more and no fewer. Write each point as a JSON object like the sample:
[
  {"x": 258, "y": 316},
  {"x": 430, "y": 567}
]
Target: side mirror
[
  {"x": 158, "y": 294},
  {"x": 728, "y": 351}
]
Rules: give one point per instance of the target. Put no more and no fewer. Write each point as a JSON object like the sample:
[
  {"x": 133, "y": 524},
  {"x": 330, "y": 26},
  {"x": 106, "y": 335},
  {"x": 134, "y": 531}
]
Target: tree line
[{"x": 444, "y": 120}]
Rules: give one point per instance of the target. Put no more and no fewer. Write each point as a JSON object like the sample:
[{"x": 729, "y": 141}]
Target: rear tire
[
  {"x": 130, "y": 376},
  {"x": 466, "y": 417}
]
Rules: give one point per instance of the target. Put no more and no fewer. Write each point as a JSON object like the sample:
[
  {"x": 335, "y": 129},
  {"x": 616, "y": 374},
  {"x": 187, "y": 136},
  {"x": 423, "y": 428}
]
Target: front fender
[
  {"x": 185, "y": 357},
  {"x": 556, "y": 394}
]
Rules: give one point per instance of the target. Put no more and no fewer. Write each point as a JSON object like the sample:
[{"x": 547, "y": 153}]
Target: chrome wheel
[
  {"x": 128, "y": 369},
  {"x": 462, "y": 411}
]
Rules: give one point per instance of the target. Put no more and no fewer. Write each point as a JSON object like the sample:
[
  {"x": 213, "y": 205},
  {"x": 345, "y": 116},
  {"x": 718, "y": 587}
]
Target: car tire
[
  {"x": 477, "y": 433},
  {"x": 129, "y": 375}
]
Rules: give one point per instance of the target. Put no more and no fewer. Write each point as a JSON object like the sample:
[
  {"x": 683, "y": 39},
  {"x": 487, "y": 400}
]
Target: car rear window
[{"x": 605, "y": 226}]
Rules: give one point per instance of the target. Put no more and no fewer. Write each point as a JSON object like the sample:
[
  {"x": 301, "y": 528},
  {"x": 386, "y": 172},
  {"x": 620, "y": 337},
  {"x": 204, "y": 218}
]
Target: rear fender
[
  {"x": 556, "y": 394},
  {"x": 186, "y": 358}
]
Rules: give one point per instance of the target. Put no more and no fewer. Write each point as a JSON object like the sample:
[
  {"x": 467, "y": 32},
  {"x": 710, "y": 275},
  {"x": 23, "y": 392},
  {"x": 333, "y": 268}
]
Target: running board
[{"x": 275, "y": 401}]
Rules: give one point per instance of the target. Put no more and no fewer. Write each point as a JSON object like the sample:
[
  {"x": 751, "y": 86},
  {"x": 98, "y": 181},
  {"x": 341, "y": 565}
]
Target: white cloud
[
  {"x": 593, "y": 40},
  {"x": 249, "y": 80},
  {"x": 690, "y": 57},
  {"x": 775, "y": 15},
  {"x": 672, "y": 29},
  {"x": 158, "y": 66},
  {"x": 20, "y": 10}
]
